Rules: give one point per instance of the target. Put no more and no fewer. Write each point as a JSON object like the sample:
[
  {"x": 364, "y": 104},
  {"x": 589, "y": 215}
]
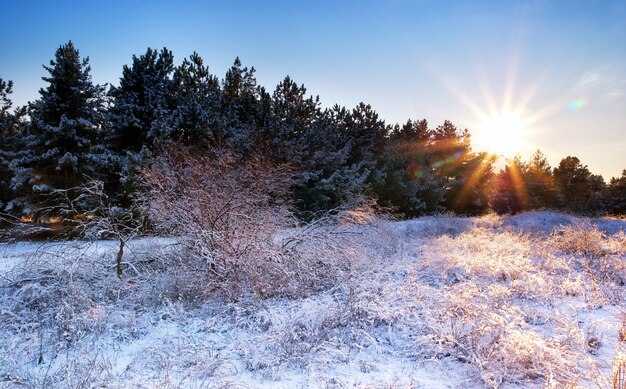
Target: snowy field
[{"x": 533, "y": 300}]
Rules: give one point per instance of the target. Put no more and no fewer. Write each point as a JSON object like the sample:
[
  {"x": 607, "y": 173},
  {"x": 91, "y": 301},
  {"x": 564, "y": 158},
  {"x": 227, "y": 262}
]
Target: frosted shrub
[
  {"x": 588, "y": 248},
  {"x": 579, "y": 238},
  {"x": 225, "y": 213},
  {"x": 618, "y": 378},
  {"x": 481, "y": 326},
  {"x": 233, "y": 219}
]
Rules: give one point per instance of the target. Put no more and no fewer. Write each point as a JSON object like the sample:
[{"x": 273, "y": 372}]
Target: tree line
[{"x": 78, "y": 131}]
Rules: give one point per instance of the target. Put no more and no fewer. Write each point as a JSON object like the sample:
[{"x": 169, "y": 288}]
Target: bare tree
[{"x": 89, "y": 213}]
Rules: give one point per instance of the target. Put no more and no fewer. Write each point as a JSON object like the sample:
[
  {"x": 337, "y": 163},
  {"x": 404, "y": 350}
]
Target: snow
[{"x": 436, "y": 302}]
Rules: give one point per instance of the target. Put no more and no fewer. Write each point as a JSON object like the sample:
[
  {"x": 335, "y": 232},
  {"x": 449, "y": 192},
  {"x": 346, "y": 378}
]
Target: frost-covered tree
[
  {"x": 6, "y": 194},
  {"x": 6, "y": 88},
  {"x": 293, "y": 114},
  {"x": 364, "y": 138},
  {"x": 336, "y": 151},
  {"x": 322, "y": 150},
  {"x": 65, "y": 127},
  {"x": 140, "y": 117},
  {"x": 367, "y": 133},
  {"x": 195, "y": 120},
  {"x": 142, "y": 102},
  {"x": 9, "y": 143},
  {"x": 241, "y": 114},
  {"x": 425, "y": 170}
]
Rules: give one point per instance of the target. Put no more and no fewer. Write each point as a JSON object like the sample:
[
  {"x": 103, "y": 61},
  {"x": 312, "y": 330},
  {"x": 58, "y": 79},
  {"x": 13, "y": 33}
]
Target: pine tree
[
  {"x": 505, "y": 196},
  {"x": 407, "y": 182},
  {"x": 293, "y": 114},
  {"x": 142, "y": 102},
  {"x": 464, "y": 174},
  {"x": 539, "y": 182},
  {"x": 64, "y": 130},
  {"x": 367, "y": 133},
  {"x": 140, "y": 118},
  {"x": 195, "y": 121},
  {"x": 574, "y": 183},
  {"x": 469, "y": 192},
  {"x": 598, "y": 187},
  {"x": 6, "y": 88},
  {"x": 241, "y": 110},
  {"x": 615, "y": 198},
  {"x": 9, "y": 147},
  {"x": 323, "y": 150},
  {"x": 336, "y": 149}
]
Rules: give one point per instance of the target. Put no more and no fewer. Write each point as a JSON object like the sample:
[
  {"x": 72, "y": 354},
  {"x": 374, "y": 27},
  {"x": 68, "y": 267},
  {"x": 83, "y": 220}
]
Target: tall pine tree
[
  {"x": 407, "y": 183},
  {"x": 293, "y": 114},
  {"x": 465, "y": 175},
  {"x": 241, "y": 113},
  {"x": 573, "y": 180},
  {"x": 10, "y": 147},
  {"x": 539, "y": 182},
  {"x": 142, "y": 102},
  {"x": 195, "y": 120},
  {"x": 615, "y": 198},
  {"x": 140, "y": 118},
  {"x": 64, "y": 129}
]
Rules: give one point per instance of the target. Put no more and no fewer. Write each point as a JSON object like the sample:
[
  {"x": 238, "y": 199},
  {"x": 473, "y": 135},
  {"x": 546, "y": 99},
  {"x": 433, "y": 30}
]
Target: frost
[
  {"x": 41, "y": 188},
  {"x": 68, "y": 159},
  {"x": 529, "y": 300}
]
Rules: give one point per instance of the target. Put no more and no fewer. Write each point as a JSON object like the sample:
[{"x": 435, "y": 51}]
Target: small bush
[
  {"x": 233, "y": 219},
  {"x": 588, "y": 248}
]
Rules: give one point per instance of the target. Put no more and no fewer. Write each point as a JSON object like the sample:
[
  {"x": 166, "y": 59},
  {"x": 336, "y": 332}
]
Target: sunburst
[{"x": 503, "y": 133}]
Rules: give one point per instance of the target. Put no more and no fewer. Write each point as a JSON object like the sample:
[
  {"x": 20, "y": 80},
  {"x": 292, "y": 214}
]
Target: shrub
[
  {"x": 234, "y": 221},
  {"x": 598, "y": 254},
  {"x": 225, "y": 213}
]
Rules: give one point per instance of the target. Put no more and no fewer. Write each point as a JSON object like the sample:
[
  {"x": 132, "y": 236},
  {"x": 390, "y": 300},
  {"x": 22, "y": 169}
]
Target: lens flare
[{"x": 576, "y": 105}]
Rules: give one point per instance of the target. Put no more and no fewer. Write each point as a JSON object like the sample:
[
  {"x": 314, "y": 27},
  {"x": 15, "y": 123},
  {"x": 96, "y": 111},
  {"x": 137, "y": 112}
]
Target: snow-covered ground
[{"x": 533, "y": 300}]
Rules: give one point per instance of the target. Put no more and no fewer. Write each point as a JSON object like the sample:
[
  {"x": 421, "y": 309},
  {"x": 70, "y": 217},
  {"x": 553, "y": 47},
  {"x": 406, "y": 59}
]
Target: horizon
[{"x": 559, "y": 71}]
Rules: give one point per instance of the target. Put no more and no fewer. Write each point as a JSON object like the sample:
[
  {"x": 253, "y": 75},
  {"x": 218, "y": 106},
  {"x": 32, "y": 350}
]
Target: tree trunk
[{"x": 120, "y": 254}]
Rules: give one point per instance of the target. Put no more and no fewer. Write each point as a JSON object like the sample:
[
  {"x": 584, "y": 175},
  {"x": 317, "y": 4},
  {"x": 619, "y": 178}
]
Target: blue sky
[{"x": 561, "y": 63}]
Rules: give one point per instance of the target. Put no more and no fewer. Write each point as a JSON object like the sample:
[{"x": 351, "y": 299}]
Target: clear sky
[{"x": 557, "y": 67}]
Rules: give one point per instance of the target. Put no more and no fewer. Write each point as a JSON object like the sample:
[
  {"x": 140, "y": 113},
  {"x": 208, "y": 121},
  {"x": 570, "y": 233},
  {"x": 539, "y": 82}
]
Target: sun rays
[{"x": 506, "y": 121}]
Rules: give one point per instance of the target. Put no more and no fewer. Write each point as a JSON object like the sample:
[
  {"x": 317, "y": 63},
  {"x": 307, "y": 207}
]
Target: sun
[
  {"x": 506, "y": 122},
  {"x": 503, "y": 133}
]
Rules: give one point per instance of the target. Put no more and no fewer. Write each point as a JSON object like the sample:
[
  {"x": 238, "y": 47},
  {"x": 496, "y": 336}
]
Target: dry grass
[
  {"x": 482, "y": 302},
  {"x": 496, "y": 292}
]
